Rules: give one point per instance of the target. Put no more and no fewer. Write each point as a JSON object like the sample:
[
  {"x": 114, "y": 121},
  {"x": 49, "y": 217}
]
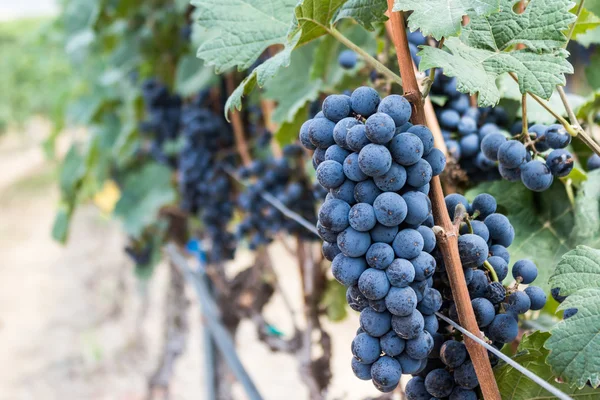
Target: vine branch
[
  {"x": 447, "y": 235},
  {"x": 572, "y": 28}
]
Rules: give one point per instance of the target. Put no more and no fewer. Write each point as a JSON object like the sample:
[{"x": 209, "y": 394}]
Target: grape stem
[
  {"x": 367, "y": 57},
  {"x": 428, "y": 82},
  {"x": 238, "y": 126},
  {"x": 572, "y": 29},
  {"x": 447, "y": 236},
  {"x": 491, "y": 270}
]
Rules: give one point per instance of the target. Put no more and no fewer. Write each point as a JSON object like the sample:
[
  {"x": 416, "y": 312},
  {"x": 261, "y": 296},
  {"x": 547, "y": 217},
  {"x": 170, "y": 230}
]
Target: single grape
[
  {"x": 365, "y": 348},
  {"x": 465, "y": 376},
  {"x": 380, "y": 255},
  {"x": 431, "y": 302},
  {"x": 510, "y": 174},
  {"x": 418, "y": 207},
  {"x": 500, "y": 266},
  {"x": 356, "y": 138},
  {"x": 459, "y": 393},
  {"x": 473, "y": 250},
  {"x": 380, "y": 128},
  {"x": 495, "y": 292},
  {"x": 557, "y": 137},
  {"x": 437, "y": 161},
  {"x": 518, "y": 302},
  {"x": 397, "y": 107},
  {"x": 536, "y": 176},
  {"x": 490, "y": 145},
  {"x": 318, "y": 157},
  {"x": 320, "y": 132},
  {"x": 386, "y": 372},
  {"x": 384, "y": 234},
  {"x": 593, "y": 162},
  {"x": 355, "y": 299},
  {"x": 524, "y": 271},
  {"x": 362, "y": 217},
  {"x": 469, "y": 145},
  {"x": 425, "y": 135},
  {"x": 420, "y": 346},
  {"x": 330, "y": 174},
  {"x": 393, "y": 180},
  {"x": 333, "y": 215},
  {"x": 390, "y": 209},
  {"x": 401, "y": 301},
  {"x": 336, "y": 153},
  {"x": 467, "y": 126},
  {"x": 408, "y": 244},
  {"x": 392, "y": 344},
  {"x": 418, "y": 174},
  {"x": 415, "y": 389},
  {"x": 352, "y": 169},
  {"x": 400, "y": 273},
  {"x": 305, "y": 136},
  {"x": 439, "y": 383},
  {"x": 406, "y": 149},
  {"x": 410, "y": 326},
  {"x": 375, "y": 160},
  {"x": 560, "y": 162},
  {"x": 365, "y": 101},
  {"x": 453, "y": 353},
  {"x": 478, "y": 285},
  {"x": 504, "y": 328},
  {"x": 344, "y": 192},
  {"x": 500, "y": 251},
  {"x": 362, "y": 371},
  {"x": 537, "y": 297},
  {"x": 347, "y": 270},
  {"x": 485, "y": 204},
  {"x": 327, "y": 234},
  {"x": 336, "y": 107},
  {"x": 501, "y": 231},
  {"x": 347, "y": 59},
  {"x": 330, "y": 250},
  {"x": 373, "y": 284},
  {"x": 353, "y": 243},
  {"x": 366, "y": 192},
  {"x": 429, "y": 240},
  {"x": 449, "y": 119},
  {"x": 375, "y": 323},
  {"x": 424, "y": 265},
  {"x": 484, "y": 311},
  {"x": 432, "y": 326},
  {"x": 512, "y": 154}
]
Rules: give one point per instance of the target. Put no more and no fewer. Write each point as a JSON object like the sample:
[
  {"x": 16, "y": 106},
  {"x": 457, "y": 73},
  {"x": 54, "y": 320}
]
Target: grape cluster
[
  {"x": 483, "y": 241},
  {"x": 280, "y": 178},
  {"x": 376, "y": 225},
  {"x": 529, "y": 161},
  {"x": 205, "y": 187},
  {"x": 164, "y": 118}
]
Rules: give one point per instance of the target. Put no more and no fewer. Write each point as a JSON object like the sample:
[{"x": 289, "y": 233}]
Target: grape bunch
[
  {"x": 205, "y": 187},
  {"x": 164, "y": 119},
  {"x": 376, "y": 225},
  {"x": 483, "y": 241},
  {"x": 527, "y": 158},
  {"x": 278, "y": 177}
]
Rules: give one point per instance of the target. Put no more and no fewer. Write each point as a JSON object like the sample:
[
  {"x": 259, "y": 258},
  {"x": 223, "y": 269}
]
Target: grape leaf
[
  {"x": 448, "y": 14},
  {"x": 586, "y": 22},
  {"x": 578, "y": 269},
  {"x": 288, "y": 131},
  {"x": 587, "y": 212},
  {"x": 589, "y": 38},
  {"x": 485, "y": 50},
  {"x": 192, "y": 76},
  {"x": 145, "y": 192},
  {"x": 365, "y": 12},
  {"x": 513, "y": 385},
  {"x": 575, "y": 343},
  {"x": 314, "y": 17},
  {"x": 292, "y": 88},
  {"x": 590, "y": 106},
  {"x": 246, "y": 28},
  {"x": 593, "y": 6},
  {"x": 592, "y": 73}
]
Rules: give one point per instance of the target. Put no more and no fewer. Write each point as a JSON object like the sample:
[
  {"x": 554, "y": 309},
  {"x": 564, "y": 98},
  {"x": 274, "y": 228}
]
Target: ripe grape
[{"x": 347, "y": 59}]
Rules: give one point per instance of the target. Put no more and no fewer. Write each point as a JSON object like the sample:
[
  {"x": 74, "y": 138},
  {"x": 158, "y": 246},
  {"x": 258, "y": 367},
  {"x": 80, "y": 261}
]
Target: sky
[{"x": 12, "y": 9}]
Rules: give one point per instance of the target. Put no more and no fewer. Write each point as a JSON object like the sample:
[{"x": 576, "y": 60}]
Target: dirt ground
[{"x": 70, "y": 323}]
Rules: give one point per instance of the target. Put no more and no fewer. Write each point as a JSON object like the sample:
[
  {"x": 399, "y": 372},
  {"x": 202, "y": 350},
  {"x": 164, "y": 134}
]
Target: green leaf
[
  {"x": 578, "y": 269},
  {"x": 292, "y": 88},
  {"x": 60, "y": 227},
  {"x": 144, "y": 193},
  {"x": 587, "y": 212},
  {"x": 476, "y": 70},
  {"x": 592, "y": 73},
  {"x": 365, "y": 12},
  {"x": 590, "y": 106},
  {"x": 531, "y": 354},
  {"x": 260, "y": 75},
  {"x": 288, "y": 131},
  {"x": 486, "y": 50},
  {"x": 314, "y": 18},
  {"x": 575, "y": 342},
  {"x": 334, "y": 301},
  {"x": 589, "y": 38},
  {"x": 245, "y": 29},
  {"x": 448, "y": 14},
  {"x": 593, "y": 6},
  {"x": 586, "y": 22},
  {"x": 192, "y": 76}
]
